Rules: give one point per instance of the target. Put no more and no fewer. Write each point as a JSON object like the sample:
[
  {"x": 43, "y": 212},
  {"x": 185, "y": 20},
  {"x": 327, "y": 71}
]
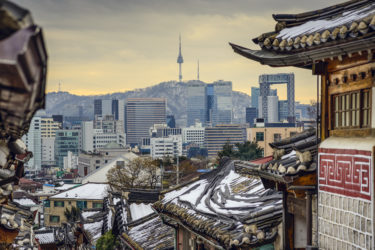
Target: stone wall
[{"x": 344, "y": 222}]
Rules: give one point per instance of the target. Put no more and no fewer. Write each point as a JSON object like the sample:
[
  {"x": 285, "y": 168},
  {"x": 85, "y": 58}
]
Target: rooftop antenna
[
  {"x": 180, "y": 60},
  {"x": 198, "y": 71}
]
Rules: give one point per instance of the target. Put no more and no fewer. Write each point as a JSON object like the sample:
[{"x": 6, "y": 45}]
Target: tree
[
  {"x": 141, "y": 172},
  {"x": 72, "y": 215},
  {"x": 246, "y": 151},
  {"x": 107, "y": 241}
]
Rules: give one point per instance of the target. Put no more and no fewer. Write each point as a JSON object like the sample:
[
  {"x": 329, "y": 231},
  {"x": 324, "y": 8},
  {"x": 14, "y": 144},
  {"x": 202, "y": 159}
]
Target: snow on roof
[
  {"x": 25, "y": 202},
  {"x": 313, "y": 26},
  {"x": 86, "y": 214},
  {"x": 223, "y": 198},
  {"x": 141, "y": 210},
  {"x": 95, "y": 229},
  {"x": 66, "y": 187},
  {"x": 89, "y": 191},
  {"x": 152, "y": 234},
  {"x": 45, "y": 237}
]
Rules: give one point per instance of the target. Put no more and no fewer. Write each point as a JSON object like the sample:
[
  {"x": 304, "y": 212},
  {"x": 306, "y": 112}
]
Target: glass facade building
[
  {"x": 210, "y": 104},
  {"x": 66, "y": 140}
]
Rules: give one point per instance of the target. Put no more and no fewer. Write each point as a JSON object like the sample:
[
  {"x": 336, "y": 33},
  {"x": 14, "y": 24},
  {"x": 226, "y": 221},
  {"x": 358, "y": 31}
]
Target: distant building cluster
[{"x": 145, "y": 126}]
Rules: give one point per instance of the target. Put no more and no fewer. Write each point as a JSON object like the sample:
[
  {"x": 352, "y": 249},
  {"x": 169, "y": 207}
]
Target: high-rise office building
[
  {"x": 103, "y": 107},
  {"x": 283, "y": 110},
  {"x": 255, "y": 93},
  {"x": 216, "y": 137},
  {"x": 265, "y": 82},
  {"x": 221, "y": 110},
  {"x": 273, "y": 109},
  {"x": 33, "y": 141},
  {"x": 140, "y": 115},
  {"x": 209, "y": 104},
  {"x": 66, "y": 140},
  {"x": 48, "y": 126},
  {"x": 251, "y": 115},
  {"x": 196, "y": 102}
]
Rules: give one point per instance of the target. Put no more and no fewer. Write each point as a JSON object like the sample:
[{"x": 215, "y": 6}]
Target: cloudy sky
[{"x": 106, "y": 46}]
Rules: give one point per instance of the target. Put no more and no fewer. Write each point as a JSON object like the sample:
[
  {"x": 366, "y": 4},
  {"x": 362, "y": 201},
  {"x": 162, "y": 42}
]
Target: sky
[{"x": 99, "y": 47}]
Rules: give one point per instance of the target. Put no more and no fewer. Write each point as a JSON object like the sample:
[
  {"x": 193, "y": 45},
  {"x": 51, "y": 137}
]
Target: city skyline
[{"x": 136, "y": 44}]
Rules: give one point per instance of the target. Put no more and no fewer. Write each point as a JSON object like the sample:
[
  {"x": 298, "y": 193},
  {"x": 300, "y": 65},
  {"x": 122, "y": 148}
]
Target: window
[
  {"x": 97, "y": 205},
  {"x": 276, "y": 137},
  {"x": 47, "y": 203},
  {"x": 351, "y": 110},
  {"x": 54, "y": 218},
  {"x": 82, "y": 204},
  {"x": 292, "y": 134},
  {"x": 259, "y": 136},
  {"x": 58, "y": 204}
]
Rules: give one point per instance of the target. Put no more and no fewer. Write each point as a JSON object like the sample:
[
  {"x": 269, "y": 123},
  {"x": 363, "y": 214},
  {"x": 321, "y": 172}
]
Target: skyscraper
[
  {"x": 265, "y": 82},
  {"x": 209, "y": 104},
  {"x": 222, "y": 108},
  {"x": 33, "y": 143},
  {"x": 196, "y": 102},
  {"x": 140, "y": 115},
  {"x": 255, "y": 92},
  {"x": 104, "y": 107}
]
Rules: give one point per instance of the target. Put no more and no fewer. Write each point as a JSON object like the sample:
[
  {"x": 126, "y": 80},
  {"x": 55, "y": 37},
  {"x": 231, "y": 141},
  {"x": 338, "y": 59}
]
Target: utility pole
[{"x": 178, "y": 171}]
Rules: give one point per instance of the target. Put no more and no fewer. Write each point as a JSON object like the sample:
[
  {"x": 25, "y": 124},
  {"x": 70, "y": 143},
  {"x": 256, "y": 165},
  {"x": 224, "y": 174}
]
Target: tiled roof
[
  {"x": 292, "y": 157},
  {"x": 138, "y": 225},
  {"x": 151, "y": 234},
  {"x": 232, "y": 210},
  {"x": 349, "y": 27},
  {"x": 45, "y": 236}
]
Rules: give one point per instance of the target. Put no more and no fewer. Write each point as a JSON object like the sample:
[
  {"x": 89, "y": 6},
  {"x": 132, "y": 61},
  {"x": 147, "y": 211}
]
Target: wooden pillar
[
  {"x": 324, "y": 113},
  {"x": 288, "y": 224}
]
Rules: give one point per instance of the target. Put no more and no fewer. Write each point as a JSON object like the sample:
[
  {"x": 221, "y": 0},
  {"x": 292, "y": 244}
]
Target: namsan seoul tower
[{"x": 180, "y": 61}]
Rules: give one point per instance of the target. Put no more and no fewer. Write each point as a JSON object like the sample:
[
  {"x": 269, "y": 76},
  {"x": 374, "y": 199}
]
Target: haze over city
[{"x": 98, "y": 47}]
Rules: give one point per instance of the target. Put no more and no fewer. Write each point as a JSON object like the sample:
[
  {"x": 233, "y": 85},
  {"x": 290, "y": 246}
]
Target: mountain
[{"x": 67, "y": 104}]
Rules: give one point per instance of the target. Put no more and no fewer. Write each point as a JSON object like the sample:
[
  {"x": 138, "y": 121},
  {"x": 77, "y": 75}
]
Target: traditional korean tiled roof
[
  {"x": 18, "y": 218},
  {"x": 150, "y": 233},
  {"x": 301, "y": 39},
  {"x": 225, "y": 207},
  {"x": 293, "y": 157},
  {"x": 137, "y": 224},
  {"x": 45, "y": 236}
]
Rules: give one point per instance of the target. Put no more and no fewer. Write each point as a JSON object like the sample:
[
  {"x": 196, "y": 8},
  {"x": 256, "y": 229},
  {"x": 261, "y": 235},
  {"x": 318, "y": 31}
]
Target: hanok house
[
  {"x": 223, "y": 210},
  {"x": 292, "y": 171},
  {"x": 337, "y": 44}
]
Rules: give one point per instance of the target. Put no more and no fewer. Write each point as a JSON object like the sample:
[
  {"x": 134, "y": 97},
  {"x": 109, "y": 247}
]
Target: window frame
[
  {"x": 58, "y": 202},
  {"x": 54, "y": 216},
  {"x": 256, "y": 136},
  {"x": 343, "y": 114}
]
